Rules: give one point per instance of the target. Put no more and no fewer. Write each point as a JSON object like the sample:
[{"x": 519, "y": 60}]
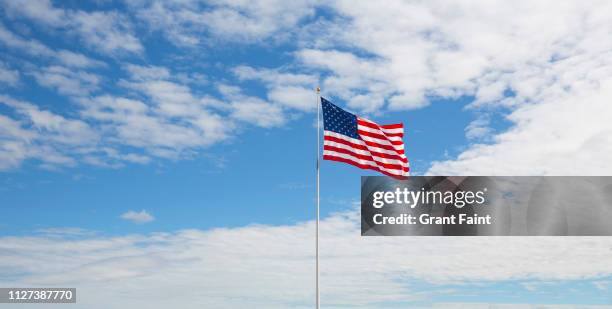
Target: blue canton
[{"x": 338, "y": 120}]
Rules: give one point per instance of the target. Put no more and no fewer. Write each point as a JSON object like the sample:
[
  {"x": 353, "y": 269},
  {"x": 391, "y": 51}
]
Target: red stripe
[
  {"x": 376, "y": 126},
  {"x": 393, "y": 126},
  {"x": 362, "y": 147},
  {"x": 367, "y": 158},
  {"x": 366, "y": 167},
  {"x": 379, "y": 136}
]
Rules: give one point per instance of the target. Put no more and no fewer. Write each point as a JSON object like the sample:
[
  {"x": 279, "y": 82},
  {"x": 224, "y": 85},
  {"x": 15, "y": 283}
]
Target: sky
[{"x": 168, "y": 148}]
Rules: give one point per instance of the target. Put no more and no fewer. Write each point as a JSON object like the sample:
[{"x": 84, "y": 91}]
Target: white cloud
[
  {"x": 56, "y": 127},
  {"x": 478, "y": 129},
  {"x": 407, "y": 102},
  {"x": 65, "y": 232},
  {"x": 135, "y": 158},
  {"x": 40, "y": 10},
  {"x": 174, "y": 117},
  {"x": 553, "y": 81},
  {"x": 292, "y": 90},
  {"x": 169, "y": 121},
  {"x": 35, "y": 48},
  {"x": 251, "y": 109},
  {"x": 76, "y": 60},
  {"x": 257, "y": 112},
  {"x": 56, "y": 141},
  {"x": 132, "y": 122},
  {"x": 31, "y": 47},
  {"x": 299, "y": 98},
  {"x": 363, "y": 82},
  {"x": 171, "y": 98},
  {"x": 190, "y": 23},
  {"x": 107, "y": 32},
  {"x": 137, "y": 217},
  {"x": 564, "y": 134},
  {"x": 274, "y": 77},
  {"x": 171, "y": 93},
  {"x": 42, "y": 135},
  {"x": 13, "y": 143},
  {"x": 437, "y": 49},
  {"x": 7, "y": 76},
  {"x": 160, "y": 116},
  {"x": 142, "y": 73},
  {"x": 262, "y": 266},
  {"x": 67, "y": 81}
]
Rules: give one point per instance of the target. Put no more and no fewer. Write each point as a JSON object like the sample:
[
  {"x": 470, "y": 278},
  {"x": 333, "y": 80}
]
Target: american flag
[{"x": 363, "y": 143}]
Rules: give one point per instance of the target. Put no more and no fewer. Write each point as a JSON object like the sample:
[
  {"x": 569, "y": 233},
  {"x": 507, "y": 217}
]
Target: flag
[{"x": 360, "y": 142}]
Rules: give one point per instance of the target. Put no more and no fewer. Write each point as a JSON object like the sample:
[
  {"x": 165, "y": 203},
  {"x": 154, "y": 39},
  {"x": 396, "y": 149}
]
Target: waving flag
[{"x": 360, "y": 142}]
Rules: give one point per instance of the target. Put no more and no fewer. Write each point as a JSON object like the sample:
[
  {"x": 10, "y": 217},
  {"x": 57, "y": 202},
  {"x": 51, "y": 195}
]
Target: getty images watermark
[{"x": 486, "y": 206}]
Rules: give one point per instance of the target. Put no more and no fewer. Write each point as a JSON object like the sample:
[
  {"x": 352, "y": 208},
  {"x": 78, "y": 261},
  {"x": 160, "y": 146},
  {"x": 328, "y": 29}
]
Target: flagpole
[{"x": 318, "y": 165}]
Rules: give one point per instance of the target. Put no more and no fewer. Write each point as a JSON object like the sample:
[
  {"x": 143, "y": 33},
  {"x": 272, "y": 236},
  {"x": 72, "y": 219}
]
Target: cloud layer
[
  {"x": 262, "y": 266},
  {"x": 541, "y": 65}
]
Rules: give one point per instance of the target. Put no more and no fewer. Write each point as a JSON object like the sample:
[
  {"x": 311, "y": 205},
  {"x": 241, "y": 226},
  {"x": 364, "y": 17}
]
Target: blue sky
[
  {"x": 122, "y": 121},
  {"x": 234, "y": 184}
]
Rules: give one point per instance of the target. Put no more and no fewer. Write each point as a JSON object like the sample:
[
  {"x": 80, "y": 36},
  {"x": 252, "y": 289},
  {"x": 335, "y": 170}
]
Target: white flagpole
[{"x": 318, "y": 164}]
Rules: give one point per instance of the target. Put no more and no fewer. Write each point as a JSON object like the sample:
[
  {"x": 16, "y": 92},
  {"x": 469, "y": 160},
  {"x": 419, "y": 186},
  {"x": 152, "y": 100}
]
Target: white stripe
[
  {"x": 366, "y": 153},
  {"x": 360, "y": 142},
  {"x": 398, "y": 130},
  {"x": 364, "y": 162},
  {"x": 379, "y": 132}
]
